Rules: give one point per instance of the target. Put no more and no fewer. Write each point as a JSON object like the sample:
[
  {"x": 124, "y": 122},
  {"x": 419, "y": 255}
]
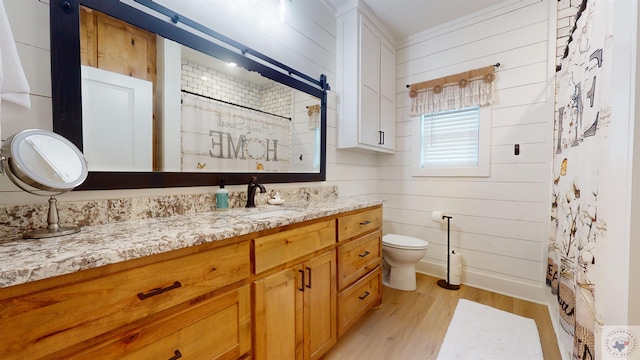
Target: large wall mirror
[{"x": 154, "y": 99}]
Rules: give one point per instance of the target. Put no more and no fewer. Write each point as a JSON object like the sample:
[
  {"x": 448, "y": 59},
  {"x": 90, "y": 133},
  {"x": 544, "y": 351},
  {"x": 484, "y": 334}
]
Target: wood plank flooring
[{"x": 412, "y": 325}]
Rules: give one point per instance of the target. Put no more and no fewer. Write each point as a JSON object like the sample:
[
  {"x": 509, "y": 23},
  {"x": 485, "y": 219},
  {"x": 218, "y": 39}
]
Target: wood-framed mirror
[{"x": 208, "y": 161}]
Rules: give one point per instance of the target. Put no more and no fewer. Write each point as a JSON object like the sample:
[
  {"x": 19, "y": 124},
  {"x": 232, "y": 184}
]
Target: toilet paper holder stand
[{"x": 446, "y": 284}]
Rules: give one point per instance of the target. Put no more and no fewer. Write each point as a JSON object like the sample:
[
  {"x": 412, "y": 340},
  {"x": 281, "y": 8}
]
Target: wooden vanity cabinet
[
  {"x": 285, "y": 293},
  {"x": 214, "y": 328},
  {"x": 359, "y": 258},
  {"x": 359, "y": 223},
  {"x": 124, "y": 308},
  {"x": 295, "y": 304}
]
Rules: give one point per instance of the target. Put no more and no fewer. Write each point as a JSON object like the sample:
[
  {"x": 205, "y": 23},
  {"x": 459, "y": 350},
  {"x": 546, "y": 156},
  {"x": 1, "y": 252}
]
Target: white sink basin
[{"x": 271, "y": 214}]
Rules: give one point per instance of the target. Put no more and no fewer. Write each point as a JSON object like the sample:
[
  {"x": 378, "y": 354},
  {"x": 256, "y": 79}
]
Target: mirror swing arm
[{"x": 66, "y": 88}]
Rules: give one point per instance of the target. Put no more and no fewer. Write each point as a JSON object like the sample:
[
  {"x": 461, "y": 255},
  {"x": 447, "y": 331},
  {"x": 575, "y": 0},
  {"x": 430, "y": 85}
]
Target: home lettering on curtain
[
  {"x": 218, "y": 137},
  {"x": 458, "y": 91}
]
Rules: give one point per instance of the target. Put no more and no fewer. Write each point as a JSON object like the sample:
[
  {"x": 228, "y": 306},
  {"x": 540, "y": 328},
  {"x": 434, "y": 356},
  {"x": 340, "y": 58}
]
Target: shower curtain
[
  {"x": 583, "y": 112},
  {"x": 219, "y": 137}
]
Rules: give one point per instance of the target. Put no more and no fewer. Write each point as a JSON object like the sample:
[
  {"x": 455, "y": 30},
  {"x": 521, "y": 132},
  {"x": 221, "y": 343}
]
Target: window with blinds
[
  {"x": 452, "y": 143},
  {"x": 450, "y": 138}
]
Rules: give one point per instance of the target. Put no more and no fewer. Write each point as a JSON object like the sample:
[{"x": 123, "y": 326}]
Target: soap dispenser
[
  {"x": 222, "y": 197},
  {"x": 276, "y": 200}
]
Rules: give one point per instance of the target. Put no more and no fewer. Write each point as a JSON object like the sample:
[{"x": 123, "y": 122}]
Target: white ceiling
[{"x": 408, "y": 17}]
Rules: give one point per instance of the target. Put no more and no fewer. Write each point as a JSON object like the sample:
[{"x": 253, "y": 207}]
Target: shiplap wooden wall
[
  {"x": 29, "y": 22},
  {"x": 500, "y": 223}
]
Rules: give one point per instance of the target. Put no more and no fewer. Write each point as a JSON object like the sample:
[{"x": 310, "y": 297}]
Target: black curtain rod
[
  {"x": 238, "y": 105},
  {"x": 496, "y": 65}
]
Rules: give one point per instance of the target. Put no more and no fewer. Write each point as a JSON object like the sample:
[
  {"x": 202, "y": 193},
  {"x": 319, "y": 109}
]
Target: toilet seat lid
[{"x": 403, "y": 242}]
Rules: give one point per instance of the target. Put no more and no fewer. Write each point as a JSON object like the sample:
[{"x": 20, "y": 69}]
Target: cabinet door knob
[
  {"x": 362, "y": 297},
  {"x": 176, "y": 355},
  {"x": 366, "y": 222},
  {"x": 364, "y": 254}
]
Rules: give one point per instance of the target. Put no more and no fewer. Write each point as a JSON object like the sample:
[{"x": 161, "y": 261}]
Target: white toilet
[{"x": 399, "y": 257}]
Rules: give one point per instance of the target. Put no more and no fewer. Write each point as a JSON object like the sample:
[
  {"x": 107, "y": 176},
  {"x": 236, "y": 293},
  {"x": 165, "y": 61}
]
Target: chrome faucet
[{"x": 251, "y": 191}]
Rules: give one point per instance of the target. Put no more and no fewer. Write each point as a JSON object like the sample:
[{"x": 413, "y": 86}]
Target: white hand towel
[{"x": 14, "y": 89}]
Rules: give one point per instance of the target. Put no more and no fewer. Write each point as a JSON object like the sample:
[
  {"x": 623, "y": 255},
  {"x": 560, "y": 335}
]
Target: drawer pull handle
[
  {"x": 155, "y": 292},
  {"x": 364, "y": 254},
  {"x": 366, "y": 222},
  {"x": 177, "y": 355},
  {"x": 301, "y": 288},
  {"x": 309, "y": 269},
  {"x": 366, "y": 293}
]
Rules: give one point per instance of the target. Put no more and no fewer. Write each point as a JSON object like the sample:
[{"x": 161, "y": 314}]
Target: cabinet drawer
[
  {"x": 280, "y": 248},
  {"x": 358, "y": 257},
  {"x": 356, "y": 300},
  {"x": 359, "y": 223},
  {"x": 47, "y": 321},
  {"x": 217, "y": 328}
]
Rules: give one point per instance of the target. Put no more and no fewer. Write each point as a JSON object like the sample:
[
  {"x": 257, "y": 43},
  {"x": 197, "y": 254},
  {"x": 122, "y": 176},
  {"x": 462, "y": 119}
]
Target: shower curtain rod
[{"x": 238, "y": 105}]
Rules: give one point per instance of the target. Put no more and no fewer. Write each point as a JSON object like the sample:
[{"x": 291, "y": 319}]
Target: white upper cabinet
[{"x": 366, "y": 85}]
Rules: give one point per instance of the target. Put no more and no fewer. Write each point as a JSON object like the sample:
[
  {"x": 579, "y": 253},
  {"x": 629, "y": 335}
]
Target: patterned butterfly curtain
[
  {"x": 583, "y": 112},
  {"x": 218, "y": 137},
  {"x": 470, "y": 88}
]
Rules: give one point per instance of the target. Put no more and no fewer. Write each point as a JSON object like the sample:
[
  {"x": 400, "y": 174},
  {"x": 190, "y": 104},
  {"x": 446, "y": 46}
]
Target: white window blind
[{"x": 450, "y": 138}]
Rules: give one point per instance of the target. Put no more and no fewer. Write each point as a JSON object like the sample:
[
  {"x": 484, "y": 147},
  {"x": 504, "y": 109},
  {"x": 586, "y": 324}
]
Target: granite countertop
[{"x": 25, "y": 260}]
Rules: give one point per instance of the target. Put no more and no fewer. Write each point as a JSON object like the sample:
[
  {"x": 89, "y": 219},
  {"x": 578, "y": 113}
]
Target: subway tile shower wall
[{"x": 200, "y": 79}]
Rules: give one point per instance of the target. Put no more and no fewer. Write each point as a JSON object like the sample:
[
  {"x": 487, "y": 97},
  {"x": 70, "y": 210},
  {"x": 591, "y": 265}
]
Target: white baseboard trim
[{"x": 519, "y": 290}]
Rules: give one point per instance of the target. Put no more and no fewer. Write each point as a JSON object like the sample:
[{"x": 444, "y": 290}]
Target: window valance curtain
[{"x": 470, "y": 88}]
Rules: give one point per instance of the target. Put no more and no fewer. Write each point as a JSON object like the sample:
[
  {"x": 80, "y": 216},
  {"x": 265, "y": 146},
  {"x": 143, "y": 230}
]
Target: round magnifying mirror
[{"x": 45, "y": 161}]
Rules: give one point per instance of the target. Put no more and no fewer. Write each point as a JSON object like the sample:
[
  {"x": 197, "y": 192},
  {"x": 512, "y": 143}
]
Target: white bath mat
[{"x": 481, "y": 332}]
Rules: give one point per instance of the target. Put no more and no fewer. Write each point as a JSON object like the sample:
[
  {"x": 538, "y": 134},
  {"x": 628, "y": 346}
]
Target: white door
[{"x": 117, "y": 121}]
